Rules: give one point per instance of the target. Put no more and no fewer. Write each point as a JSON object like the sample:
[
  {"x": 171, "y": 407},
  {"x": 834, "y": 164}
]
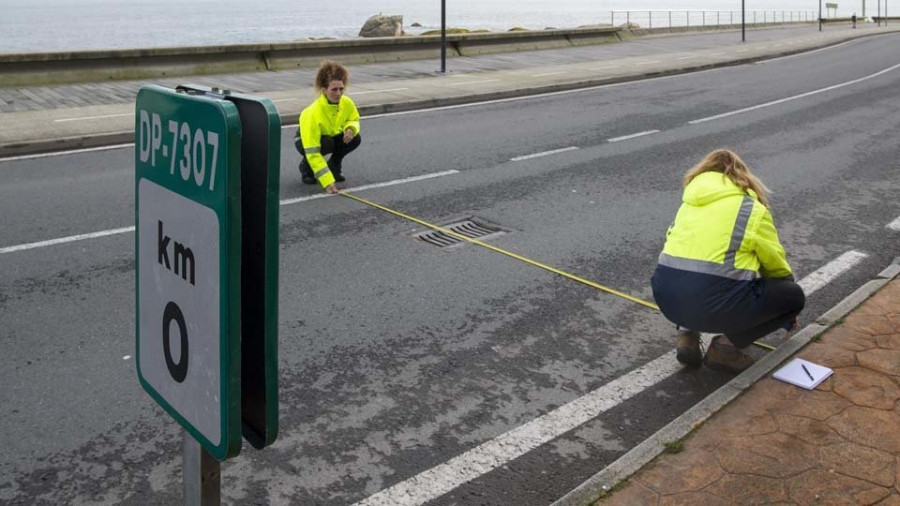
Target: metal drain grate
[{"x": 469, "y": 228}]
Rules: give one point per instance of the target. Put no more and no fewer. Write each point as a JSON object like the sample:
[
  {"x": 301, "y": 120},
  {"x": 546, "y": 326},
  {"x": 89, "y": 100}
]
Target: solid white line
[
  {"x": 632, "y": 136},
  {"x": 830, "y": 271},
  {"x": 795, "y": 97},
  {"x": 93, "y": 117},
  {"x": 62, "y": 240},
  {"x": 492, "y": 454},
  {"x": 74, "y": 151},
  {"x": 413, "y": 179},
  {"x": 647, "y": 62},
  {"x": 465, "y": 83},
  {"x": 688, "y": 57},
  {"x": 285, "y": 202},
  {"x": 548, "y": 74},
  {"x": 378, "y": 91},
  {"x": 543, "y": 153},
  {"x": 488, "y": 456},
  {"x": 804, "y": 53},
  {"x": 894, "y": 225}
]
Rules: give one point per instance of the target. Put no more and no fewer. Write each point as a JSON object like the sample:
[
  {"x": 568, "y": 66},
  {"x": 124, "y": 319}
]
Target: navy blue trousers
[{"x": 742, "y": 310}]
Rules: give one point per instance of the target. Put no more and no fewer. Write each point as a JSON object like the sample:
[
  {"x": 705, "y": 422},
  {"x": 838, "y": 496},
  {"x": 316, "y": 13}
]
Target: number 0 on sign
[{"x": 187, "y": 163}]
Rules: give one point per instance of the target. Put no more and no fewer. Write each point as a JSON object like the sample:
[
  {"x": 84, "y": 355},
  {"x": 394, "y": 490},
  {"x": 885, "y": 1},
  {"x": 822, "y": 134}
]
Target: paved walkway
[
  {"x": 780, "y": 444},
  {"x": 84, "y": 115}
]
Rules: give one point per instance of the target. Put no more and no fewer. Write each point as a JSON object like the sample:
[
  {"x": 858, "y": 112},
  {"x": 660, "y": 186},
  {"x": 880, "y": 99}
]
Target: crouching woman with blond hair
[{"x": 722, "y": 269}]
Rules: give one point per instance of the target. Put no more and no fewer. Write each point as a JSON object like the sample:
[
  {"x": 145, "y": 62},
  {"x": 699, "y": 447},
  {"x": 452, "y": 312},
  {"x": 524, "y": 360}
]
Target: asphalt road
[{"x": 397, "y": 356}]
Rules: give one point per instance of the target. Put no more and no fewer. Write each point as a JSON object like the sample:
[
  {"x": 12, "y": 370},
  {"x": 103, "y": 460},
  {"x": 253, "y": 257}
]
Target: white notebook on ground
[{"x": 803, "y": 373}]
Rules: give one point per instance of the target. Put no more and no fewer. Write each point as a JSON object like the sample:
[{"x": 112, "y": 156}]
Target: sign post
[{"x": 206, "y": 247}]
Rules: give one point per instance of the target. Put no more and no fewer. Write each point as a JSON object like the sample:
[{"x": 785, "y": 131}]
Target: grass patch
[{"x": 676, "y": 446}]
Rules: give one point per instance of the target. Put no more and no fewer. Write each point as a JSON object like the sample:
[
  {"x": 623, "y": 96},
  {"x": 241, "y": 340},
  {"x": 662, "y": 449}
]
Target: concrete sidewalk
[
  {"x": 780, "y": 444},
  {"x": 40, "y": 119}
]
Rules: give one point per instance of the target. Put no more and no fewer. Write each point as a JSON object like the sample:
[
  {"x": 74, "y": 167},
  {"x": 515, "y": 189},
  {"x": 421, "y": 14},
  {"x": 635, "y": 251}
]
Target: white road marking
[
  {"x": 632, "y": 136},
  {"x": 547, "y": 74},
  {"x": 286, "y": 100},
  {"x": 795, "y": 97},
  {"x": 804, "y": 53},
  {"x": 830, "y": 271},
  {"x": 378, "y": 91},
  {"x": 443, "y": 478},
  {"x": 492, "y": 454},
  {"x": 647, "y": 62},
  {"x": 466, "y": 83},
  {"x": 93, "y": 117},
  {"x": 70, "y": 152},
  {"x": 716, "y": 54},
  {"x": 62, "y": 240},
  {"x": 126, "y": 357},
  {"x": 687, "y": 57},
  {"x": 543, "y": 153},
  {"x": 285, "y": 202},
  {"x": 894, "y": 225}
]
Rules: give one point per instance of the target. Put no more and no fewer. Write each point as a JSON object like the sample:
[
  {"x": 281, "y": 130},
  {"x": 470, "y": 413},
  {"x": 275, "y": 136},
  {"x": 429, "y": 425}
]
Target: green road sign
[
  {"x": 188, "y": 261},
  {"x": 260, "y": 176}
]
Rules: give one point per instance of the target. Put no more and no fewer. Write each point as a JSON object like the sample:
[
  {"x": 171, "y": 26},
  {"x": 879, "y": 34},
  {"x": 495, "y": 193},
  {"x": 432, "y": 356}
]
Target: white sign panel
[{"x": 178, "y": 301}]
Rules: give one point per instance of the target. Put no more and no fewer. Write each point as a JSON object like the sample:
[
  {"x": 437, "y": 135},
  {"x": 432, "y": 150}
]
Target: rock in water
[{"x": 382, "y": 26}]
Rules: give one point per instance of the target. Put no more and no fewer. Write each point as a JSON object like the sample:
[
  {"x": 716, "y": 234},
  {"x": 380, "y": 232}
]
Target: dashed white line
[
  {"x": 285, "y": 202},
  {"x": 473, "y": 82},
  {"x": 443, "y": 478},
  {"x": 378, "y": 91},
  {"x": 830, "y": 271},
  {"x": 69, "y": 152},
  {"x": 543, "y": 153},
  {"x": 687, "y": 57},
  {"x": 795, "y": 97},
  {"x": 632, "y": 136},
  {"x": 547, "y": 74},
  {"x": 894, "y": 225},
  {"x": 647, "y": 62},
  {"x": 81, "y": 118}
]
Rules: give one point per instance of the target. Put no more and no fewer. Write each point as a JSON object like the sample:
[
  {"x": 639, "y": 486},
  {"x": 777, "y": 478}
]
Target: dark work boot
[
  {"x": 306, "y": 173},
  {"x": 687, "y": 348},
  {"x": 726, "y": 358},
  {"x": 335, "y": 167}
]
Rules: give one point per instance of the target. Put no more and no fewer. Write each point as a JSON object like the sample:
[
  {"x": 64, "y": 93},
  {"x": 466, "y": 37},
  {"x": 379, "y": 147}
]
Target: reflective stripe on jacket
[
  {"x": 323, "y": 118},
  {"x": 722, "y": 230}
]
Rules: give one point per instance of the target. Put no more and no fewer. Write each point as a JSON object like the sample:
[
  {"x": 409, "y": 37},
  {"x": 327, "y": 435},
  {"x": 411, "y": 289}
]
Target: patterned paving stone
[
  {"x": 873, "y": 325},
  {"x": 815, "y": 404},
  {"x": 871, "y": 427},
  {"x": 814, "y": 432},
  {"x": 749, "y": 489},
  {"x": 891, "y": 341},
  {"x": 820, "y": 487},
  {"x": 886, "y": 361},
  {"x": 693, "y": 470},
  {"x": 848, "y": 339},
  {"x": 693, "y": 499},
  {"x": 864, "y": 387},
  {"x": 772, "y": 455},
  {"x": 860, "y": 462},
  {"x": 632, "y": 494},
  {"x": 829, "y": 355}
]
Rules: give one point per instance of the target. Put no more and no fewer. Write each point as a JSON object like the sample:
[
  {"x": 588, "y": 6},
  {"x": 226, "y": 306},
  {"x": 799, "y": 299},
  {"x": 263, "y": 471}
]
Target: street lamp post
[
  {"x": 443, "y": 36},
  {"x": 820, "y": 15},
  {"x": 743, "y": 21}
]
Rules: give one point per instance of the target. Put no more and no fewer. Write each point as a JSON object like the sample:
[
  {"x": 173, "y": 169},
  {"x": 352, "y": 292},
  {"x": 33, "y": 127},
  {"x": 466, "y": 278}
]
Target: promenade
[
  {"x": 755, "y": 440},
  {"x": 86, "y": 115}
]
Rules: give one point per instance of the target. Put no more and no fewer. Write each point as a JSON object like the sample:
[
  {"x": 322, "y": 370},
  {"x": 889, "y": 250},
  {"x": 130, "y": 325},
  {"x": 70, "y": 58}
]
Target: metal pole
[
  {"x": 443, "y": 36},
  {"x": 743, "y": 21},
  {"x": 820, "y": 15},
  {"x": 650, "y": 13},
  {"x": 201, "y": 473},
  {"x": 670, "y": 19}
]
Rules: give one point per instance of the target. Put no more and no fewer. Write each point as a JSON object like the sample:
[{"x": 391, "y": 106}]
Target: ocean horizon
[{"x": 67, "y": 25}]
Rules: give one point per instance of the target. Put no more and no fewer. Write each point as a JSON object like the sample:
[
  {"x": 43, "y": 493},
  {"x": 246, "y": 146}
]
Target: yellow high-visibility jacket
[
  {"x": 323, "y": 118},
  {"x": 722, "y": 230}
]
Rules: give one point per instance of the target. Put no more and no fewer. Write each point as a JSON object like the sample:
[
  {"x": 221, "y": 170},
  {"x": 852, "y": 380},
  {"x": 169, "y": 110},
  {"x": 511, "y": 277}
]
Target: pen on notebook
[{"x": 807, "y": 372}]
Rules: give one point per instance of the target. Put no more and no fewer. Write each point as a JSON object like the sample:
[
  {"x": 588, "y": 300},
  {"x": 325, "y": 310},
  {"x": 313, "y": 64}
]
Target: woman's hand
[{"x": 348, "y": 135}]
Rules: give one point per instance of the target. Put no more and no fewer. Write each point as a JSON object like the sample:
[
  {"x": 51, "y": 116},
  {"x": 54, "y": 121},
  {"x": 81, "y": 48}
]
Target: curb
[
  {"x": 124, "y": 137},
  {"x": 602, "y": 483}
]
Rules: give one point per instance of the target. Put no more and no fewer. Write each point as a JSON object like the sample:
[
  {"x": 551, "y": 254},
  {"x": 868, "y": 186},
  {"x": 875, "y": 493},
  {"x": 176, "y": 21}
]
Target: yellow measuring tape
[{"x": 513, "y": 255}]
